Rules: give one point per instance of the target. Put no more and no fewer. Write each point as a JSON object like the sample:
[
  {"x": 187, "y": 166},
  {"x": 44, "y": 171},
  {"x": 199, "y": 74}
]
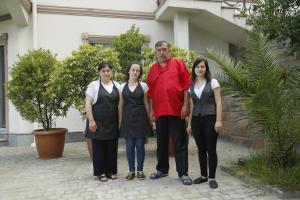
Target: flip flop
[
  {"x": 103, "y": 178},
  {"x": 186, "y": 180},
  {"x": 157, "y": 175}
]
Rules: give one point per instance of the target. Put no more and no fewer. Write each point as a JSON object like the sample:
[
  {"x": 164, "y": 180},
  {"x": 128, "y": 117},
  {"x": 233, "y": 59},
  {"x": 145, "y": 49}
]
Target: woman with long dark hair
[
  {"x": 205, "y": 119},
  {"x": 135, "y": 123}
]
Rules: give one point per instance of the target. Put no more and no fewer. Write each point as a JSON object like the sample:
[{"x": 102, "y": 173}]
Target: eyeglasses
[{"x": 161, "y": 49}]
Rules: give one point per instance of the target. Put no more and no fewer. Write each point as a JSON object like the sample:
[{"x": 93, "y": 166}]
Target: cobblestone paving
[{"x": 23, "y": 176}]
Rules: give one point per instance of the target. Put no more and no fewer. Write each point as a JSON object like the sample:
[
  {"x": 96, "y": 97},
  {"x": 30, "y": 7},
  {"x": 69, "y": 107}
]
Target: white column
[
  {"x": 34, "y": 24},
  {"x": 181, "y": 30}
]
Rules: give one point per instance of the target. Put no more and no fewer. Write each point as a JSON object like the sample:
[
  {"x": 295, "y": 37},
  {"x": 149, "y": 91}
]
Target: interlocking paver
[{"x": 24, "y": 176}]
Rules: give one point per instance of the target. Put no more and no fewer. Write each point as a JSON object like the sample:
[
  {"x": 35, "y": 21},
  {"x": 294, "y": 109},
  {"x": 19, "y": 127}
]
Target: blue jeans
[{"x": 139, "y": 144}]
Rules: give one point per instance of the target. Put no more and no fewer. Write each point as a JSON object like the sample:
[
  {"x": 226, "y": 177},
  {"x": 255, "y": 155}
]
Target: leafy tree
[
  {"x": 30, "y": 89},
  {"x": 129, "y": 45},
  {"x": 74, "y": 73},
  {"x": 278, "y": 19},
  {"x": 269, "y": 94}
]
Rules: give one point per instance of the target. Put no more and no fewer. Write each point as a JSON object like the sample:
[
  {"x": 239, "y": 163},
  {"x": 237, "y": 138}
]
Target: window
[
  {"x": 105, "y": 40},
  {"x": 233, "y": 51}
]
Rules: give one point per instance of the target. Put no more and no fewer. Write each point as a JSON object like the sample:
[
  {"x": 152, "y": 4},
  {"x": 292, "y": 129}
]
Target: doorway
[{"x": 2, "y": 89}]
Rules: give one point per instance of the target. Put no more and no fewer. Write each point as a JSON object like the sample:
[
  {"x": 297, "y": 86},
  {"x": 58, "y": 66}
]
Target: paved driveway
[{"x": 24, "y": 176}]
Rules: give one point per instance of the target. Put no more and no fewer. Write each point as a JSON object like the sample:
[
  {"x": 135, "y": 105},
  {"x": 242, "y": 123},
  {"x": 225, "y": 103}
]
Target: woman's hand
[
  {"x": 151, "y": 116},
  {"x": 218, "y": 126},
  {"x": 93, "y": 126},
  {"x": 189, "y": 130}
]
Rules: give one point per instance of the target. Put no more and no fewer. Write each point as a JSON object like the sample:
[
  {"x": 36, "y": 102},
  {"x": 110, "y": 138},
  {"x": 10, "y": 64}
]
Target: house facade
[{"x": 63, "y": 25}]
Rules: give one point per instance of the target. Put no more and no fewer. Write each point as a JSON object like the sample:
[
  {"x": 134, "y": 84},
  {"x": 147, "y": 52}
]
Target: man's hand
[
  {"x": 184, "y": 111},
  {"x": 93, "y": 126}
]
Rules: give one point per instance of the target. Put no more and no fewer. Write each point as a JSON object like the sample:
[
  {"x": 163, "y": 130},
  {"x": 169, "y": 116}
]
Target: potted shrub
[
  {"x": 36, "y": 100},
  {"x": 75, "y": 72}
]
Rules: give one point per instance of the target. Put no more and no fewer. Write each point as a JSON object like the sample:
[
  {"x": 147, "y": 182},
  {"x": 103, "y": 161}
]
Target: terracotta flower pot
[{"x": 50, "y": 144}]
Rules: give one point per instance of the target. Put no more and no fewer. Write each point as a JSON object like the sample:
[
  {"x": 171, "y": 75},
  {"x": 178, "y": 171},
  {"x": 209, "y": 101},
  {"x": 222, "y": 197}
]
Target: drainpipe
[
  {"x": 34, "y": 38},
  {"x": 34, "y": 24}
]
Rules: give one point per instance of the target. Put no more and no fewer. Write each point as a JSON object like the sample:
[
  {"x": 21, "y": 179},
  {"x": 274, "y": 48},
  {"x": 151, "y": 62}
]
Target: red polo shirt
[{"x": 166, "y": 87}]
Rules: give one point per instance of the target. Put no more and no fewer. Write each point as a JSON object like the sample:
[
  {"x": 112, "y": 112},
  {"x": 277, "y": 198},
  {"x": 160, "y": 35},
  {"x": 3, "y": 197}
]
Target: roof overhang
[
  {"x": 17, "y": 10},
  {"x": 205, "y": 15}
]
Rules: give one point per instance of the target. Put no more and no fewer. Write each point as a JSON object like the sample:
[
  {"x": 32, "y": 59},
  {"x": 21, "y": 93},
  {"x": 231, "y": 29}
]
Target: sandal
[
  {"x": 114, "y": 176},
  {"x": 130, "y": 176},
  {"x": 157, "y": 175},
  {"x": 103, "y": 178},
  {"x": 141, "y": 175},
  {"x": 186, "y": 180}
]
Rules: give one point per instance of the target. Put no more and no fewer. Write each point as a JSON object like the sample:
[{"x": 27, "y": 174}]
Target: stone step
[
  {"x": 3, "y": 142},
  {"x": 3, "y": 138}
]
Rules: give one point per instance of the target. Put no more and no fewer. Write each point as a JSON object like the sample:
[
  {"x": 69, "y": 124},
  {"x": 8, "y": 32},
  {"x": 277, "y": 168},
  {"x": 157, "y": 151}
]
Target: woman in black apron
[
  {"x": 102, "y": 99},
  {"x": 205, "y": 120},
  {"x": 135, "y": 125}
]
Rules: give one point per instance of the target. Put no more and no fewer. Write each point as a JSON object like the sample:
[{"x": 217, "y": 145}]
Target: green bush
[
  {"x": 257, "y": 166},
  {"x": 30, "y": 89},
  {"x": 278, "y": 19},
  {"x": 74, "y": 73},
  {"x": 129, "y": 45}
]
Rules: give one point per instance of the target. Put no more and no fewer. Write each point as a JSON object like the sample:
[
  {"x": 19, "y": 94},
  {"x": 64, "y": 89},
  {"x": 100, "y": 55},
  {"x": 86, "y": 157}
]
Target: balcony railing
[{"x": 239, "y": 5}]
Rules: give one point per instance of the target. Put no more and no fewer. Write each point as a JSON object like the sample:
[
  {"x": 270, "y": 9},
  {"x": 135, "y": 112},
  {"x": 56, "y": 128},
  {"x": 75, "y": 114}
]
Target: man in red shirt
[{"x": 168, "y": 82}]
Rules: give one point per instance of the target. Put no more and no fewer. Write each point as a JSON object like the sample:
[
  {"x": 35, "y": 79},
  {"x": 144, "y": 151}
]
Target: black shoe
[
  {"x": 200, "y": 180},
  {"x": 213, "y": 184}
]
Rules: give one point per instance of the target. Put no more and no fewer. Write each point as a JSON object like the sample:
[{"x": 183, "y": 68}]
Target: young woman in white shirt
[
  {"x": 205, "y": 120},
  {"x": 135, "y": 123}
]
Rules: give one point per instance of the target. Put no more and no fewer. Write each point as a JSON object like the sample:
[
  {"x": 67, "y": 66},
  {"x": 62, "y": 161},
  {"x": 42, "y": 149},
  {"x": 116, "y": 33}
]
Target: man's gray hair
[{"x": 160, "y": 43}]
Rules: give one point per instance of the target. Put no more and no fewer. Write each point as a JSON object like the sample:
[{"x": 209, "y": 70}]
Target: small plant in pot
[
  {"x": 37, "y": 100},
  {"x": 76, "y": 72}
]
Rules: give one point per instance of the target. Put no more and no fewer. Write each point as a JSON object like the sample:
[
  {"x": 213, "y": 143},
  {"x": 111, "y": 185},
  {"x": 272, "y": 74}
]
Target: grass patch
[{"x": 287, "y": 178}]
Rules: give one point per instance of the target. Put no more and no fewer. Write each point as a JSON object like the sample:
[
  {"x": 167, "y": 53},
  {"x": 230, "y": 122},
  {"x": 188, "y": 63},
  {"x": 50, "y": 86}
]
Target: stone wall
[{"x": 237, "y": 127}]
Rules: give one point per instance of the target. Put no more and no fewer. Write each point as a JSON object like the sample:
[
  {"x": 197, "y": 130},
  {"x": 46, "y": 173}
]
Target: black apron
[
  {"x": 105, "y": 112},
  {"x": 135, "y": 122}
]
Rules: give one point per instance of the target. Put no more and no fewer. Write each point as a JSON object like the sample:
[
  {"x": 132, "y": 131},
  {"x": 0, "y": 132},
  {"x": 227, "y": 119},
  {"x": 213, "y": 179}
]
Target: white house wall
[
  {"x": 201, "y": 40},
  {"x": 62, "y": 33},
  {"x": 19, "y": 41}
]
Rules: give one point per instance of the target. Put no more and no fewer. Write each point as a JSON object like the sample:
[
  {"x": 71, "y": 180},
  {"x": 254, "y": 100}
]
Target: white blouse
[
  {"x": 93, "y": 88},
  {"x": 198, "y": 90},
  {"x": 132, "y": 88}
]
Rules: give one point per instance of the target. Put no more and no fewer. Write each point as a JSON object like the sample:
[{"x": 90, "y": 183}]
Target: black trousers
[
  {"x": 203, "y": 129},
  {"x": 105, "y": 155},
  {"x": 176, "y": 128}
]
